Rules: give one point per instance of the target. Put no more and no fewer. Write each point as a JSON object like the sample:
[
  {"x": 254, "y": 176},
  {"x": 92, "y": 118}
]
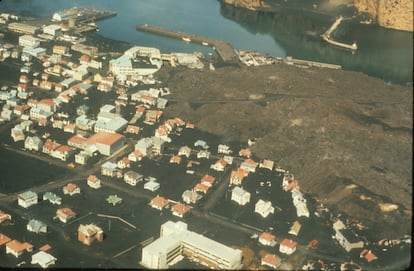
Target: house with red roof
[
  {"x": 71, "y": 189},
  {"x": 219, "y": 165},
  {"x": 180, "y": 209},
  {"x": 4, "y": 216},
  {"x": 64, "y": 214},
  {"x": 87, "y": 234},
  {"x": 175, "y": 159},
  {"x": 124, "y": 163},
  {"x": 237, "y": 176},
  {"x": 245, "y": 152},
  {"x": 208, "y": 180},
  {"x": 287, "y": 246},
  {"x": 368, "y": 255},
  {"x": 4, "y": 239},
  {"x": 17, "y": 248},
  {"x": 159, "y": 202},
  {"x": 135, "y": 156},
  {"x": 93, "y": 182},
  {"x": 201, "y": 188},
  {"x": 271, "y": 260},
  {"x": 62, "y": 152},
  {"x": 267, "y": 239},
  {"x": 249, "y": 165}
]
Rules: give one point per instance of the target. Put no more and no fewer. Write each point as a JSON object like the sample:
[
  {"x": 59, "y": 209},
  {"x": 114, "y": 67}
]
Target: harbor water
[{"x": 382, "y": 53}]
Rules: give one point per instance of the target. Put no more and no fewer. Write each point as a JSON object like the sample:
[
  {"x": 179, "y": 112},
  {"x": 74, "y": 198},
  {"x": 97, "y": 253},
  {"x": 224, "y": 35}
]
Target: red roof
[
  {"x": 92, "y": 178},
  {"x": 17, "y": 246},
  {"x": 180, "y": 208},
  {"x": 267, "y": 236},
  {"x": 208, "y": 178},
  {"x": 104, "y": 138},
  {"x": 288, "y": 243},
  {"x": 271, "y": 259},
  {"x": 159, "y": 201},
  {"x": 45, "y": 247},
  {"x": 76, "y": 140},
  {"x": 70, "y": 187},
  {"x": 4, "y": 239},
  {"x": 65, "y": 212},
  {"x": 201, "y": 187},
  {"x": 48, "y": 102}
]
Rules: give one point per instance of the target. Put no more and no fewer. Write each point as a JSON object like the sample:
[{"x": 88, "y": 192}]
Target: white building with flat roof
[
  {"x": 29, "y": 41},
  {"x": 136, "y": 61},
  {"x": 176, "y": 241}
]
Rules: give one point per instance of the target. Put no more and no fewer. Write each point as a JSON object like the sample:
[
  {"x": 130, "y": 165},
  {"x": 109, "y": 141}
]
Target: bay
[{"x": 382, "y": 53}]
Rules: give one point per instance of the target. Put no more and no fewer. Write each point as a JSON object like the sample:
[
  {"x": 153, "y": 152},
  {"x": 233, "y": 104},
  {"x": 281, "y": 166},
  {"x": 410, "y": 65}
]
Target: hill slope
[{"x": 347, "y": 137}]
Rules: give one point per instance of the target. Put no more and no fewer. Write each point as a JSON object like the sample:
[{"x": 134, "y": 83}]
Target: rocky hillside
[
  {"x": 395, "y": 14},
  {"x": 249, "y": 4},
  {"x": 347, "y": 137}
]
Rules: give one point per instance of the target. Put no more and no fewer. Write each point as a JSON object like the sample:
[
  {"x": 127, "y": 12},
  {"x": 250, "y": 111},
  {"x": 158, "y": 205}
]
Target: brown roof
[
  {"x": 48, "y": 102},
  {"x": 45, "y": 247},
  {"x": 4, "y": 239},
  {"x": 65, "y": 212},
  {"x": 70, "y": 187},
  {"x": 288, "y": 243},
  {"x": 64, "y": 148},
  {"x": 271, "y": 259},
  {"x": 208, "y": 178},
  {"x": 92, "y": 178},
  {"x": 267, "y": 236},
  {"x": 76, "y": 140},
  {"x": 104, "y": 138},
  {"x": 180, "y": 208},
  {"x": 201, "y": 187},
  {"x": 159, "y": 201},
  {"x": 17, "y": 246}
]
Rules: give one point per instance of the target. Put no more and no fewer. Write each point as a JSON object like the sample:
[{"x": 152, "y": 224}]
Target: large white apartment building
[
  {"x": 136, "y": 61},
  {"x": 29, "y": 41},
  {"x": 176, "y": 241}
]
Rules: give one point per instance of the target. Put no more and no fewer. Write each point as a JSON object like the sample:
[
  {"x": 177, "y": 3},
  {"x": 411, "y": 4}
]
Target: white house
[
  {"x": 44, "y": 259},
  {"x": 239, "y": 195},
  {"x": 264, "y": 208},
  {"x": 287, "y": 246},
  {"x": 152, "y": 186},
  {"x": 33, "y": 143},
  {"x": 27, "y": 199},
  {"x": 132, "y": 177},
  {"x": 94, "y": 182},
  {"x": 267, "y": 239},
  {"x": 36, "y": 226}
]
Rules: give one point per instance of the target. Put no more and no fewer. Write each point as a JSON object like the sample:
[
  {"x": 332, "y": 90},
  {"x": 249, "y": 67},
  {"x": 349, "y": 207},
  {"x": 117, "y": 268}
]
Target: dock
[
  {"x": 224, "y": 49},
  {"x": 327, "y": 36}
]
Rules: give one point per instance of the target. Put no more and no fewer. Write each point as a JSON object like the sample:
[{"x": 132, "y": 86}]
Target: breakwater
[
  {"x": 327, "y": 36},
  {"x": 224, "y": 49}
]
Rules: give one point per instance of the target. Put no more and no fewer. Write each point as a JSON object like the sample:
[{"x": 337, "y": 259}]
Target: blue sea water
[{"x": 383, "y": 53}]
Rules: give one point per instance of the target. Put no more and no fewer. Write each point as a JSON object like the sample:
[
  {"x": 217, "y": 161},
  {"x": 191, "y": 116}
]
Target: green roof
[{"x": 114, "y": 199}]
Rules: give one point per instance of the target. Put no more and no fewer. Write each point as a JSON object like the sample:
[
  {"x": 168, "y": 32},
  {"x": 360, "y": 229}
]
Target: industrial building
[
  {"x": 23, "y": 28},
  {"x": 176, "y": 241},
  {"x": 136, "y": 61},
  {"x": 29, "y": 41}
]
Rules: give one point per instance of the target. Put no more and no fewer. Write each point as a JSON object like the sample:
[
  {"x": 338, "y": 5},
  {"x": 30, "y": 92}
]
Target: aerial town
[{"x": 141, "y": 188}]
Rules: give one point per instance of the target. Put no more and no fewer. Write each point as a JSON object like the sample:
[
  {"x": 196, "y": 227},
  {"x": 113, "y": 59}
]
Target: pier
[
  {"x": 327, "y": 37},
  {"x": 224, "y": 49}
]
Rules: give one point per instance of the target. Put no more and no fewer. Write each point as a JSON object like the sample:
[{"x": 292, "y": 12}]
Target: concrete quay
[
  {"x": 327, "y": 36},
  {"x": 224, "y": 49}
]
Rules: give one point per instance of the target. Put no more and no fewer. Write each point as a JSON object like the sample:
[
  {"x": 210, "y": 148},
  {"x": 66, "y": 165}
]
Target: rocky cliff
[
  {"x": 395, "y": 14},
  {"x": 249, "y": 4}
]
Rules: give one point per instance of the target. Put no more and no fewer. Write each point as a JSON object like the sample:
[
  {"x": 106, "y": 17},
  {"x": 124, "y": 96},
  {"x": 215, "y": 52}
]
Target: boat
[
  {"x": 204, "y": 43},
  {"x": 186, "y": 39}
]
